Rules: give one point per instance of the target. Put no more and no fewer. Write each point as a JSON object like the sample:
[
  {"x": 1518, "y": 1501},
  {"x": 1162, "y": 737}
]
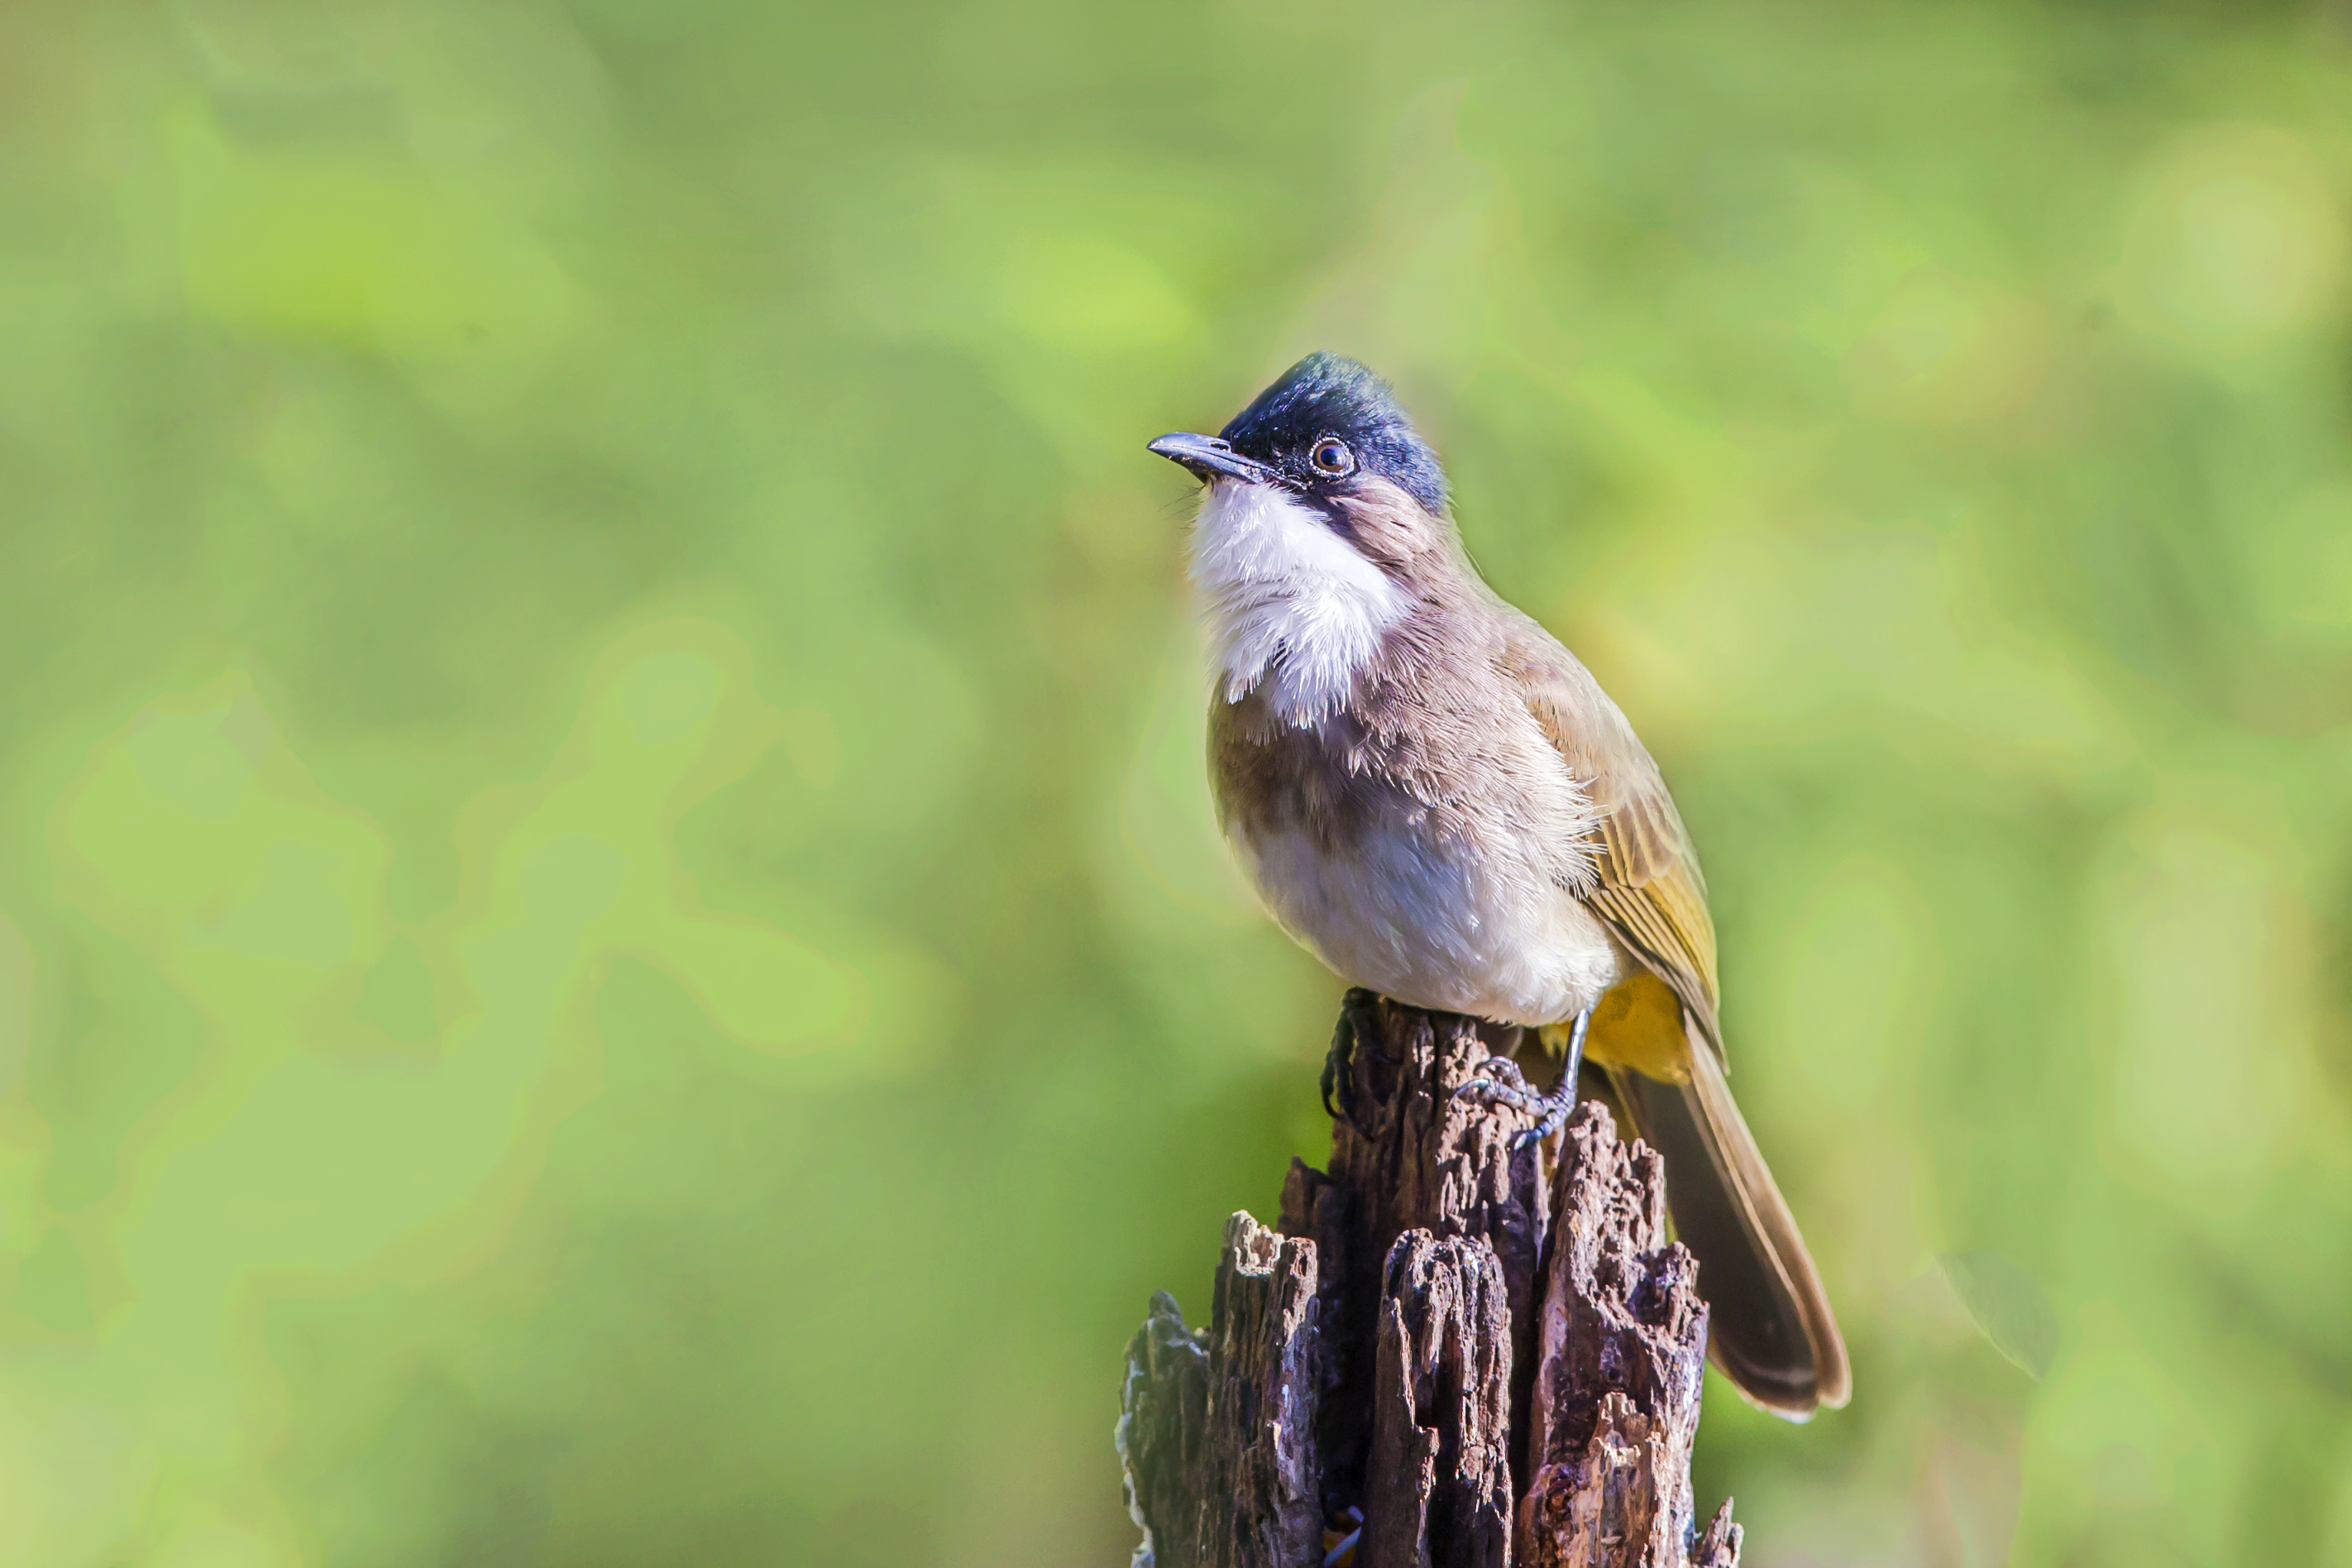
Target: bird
[{"x": 1435, "y": 797}]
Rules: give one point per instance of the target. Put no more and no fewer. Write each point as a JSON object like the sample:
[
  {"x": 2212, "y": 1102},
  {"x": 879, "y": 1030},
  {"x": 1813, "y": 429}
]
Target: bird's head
[
  {"x": 1327, "y": 428},
  {"x": 1324, "y": 522},
  {"x": 1328, "y": 438}
]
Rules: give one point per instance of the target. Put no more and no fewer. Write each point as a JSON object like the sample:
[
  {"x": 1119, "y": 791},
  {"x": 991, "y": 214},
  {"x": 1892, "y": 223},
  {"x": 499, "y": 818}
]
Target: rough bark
[
  {"x": 1623, "y": 1342},
  {"x": 1216, "y": 1429},
  {"x": 1415, "y": 1156},
  {"x": 1438, "y": 1486},
  {"x": 1426, "y": 1330},
  {"x": 1717, "y": 1545}
]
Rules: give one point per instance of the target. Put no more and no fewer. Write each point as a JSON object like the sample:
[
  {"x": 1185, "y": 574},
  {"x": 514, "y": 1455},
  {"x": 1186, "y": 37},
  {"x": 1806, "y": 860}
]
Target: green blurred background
[{"x": 611, "y": 946}]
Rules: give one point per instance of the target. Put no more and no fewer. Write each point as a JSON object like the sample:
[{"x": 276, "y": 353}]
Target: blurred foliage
[{"x": 613, "y": 950}]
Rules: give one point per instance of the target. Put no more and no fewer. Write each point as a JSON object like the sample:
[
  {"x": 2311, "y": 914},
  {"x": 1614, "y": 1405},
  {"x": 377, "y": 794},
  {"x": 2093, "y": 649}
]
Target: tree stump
[{"x": 1456, "y": 1353}]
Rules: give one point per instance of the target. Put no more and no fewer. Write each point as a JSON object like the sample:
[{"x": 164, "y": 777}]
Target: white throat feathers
[{"x": 1291, "y": 604}]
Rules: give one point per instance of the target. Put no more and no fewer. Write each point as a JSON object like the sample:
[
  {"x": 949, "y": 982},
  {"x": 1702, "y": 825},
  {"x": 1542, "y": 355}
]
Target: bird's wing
[
  {"x": 1649, "y": 889},
  {"x": 1770, "y": 1326}
]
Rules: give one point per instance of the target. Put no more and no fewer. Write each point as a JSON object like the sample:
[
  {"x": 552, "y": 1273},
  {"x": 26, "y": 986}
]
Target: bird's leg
[
  {"x": 1551, "y": 1109},
  {"x": 1567, "y": 1082}
]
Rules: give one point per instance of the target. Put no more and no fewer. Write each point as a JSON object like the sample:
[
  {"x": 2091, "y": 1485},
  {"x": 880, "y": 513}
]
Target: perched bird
[{"x": 1435, "y": 797}]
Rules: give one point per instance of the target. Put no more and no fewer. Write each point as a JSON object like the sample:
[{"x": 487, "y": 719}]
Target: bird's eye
[{"x": 1331, "y": 456}]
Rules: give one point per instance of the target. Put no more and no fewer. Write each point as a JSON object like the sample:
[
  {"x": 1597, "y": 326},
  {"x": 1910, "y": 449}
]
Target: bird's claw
[
  {"x": 1487, "y": 1082},
  {"x": 1498, "y": 1081},
  {"x": 1339, "y": 1081},
  {"x": 1555, "y": 1108}
]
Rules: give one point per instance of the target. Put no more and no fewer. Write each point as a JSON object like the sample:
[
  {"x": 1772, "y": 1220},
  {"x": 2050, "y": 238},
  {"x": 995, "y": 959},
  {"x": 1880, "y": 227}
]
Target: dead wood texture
[{"x": 1478, "y": 1352}]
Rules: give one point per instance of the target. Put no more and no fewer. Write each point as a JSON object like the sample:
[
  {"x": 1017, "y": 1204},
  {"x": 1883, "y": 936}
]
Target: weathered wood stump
[{"x": 1462, "y": 1352}]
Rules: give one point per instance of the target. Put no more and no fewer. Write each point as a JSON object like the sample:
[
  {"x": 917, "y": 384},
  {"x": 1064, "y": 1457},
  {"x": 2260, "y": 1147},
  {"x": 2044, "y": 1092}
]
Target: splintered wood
[{"x": 1454, "y": 1354}]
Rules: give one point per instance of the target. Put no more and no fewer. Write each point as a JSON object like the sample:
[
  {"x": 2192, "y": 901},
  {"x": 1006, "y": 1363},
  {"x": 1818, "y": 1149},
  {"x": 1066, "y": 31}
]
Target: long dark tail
[{"x": 1770, "y": 1329}]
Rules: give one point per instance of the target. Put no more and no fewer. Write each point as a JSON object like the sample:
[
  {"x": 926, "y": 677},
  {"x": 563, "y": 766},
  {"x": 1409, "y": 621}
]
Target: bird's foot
[
  {"x": 1498, "y": 1081},
  {"x": 1552, "y": 1111},
  {"x": 1338, "y": 1082}
]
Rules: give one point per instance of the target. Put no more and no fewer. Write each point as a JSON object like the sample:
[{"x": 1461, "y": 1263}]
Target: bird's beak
[{"x": 1210, "y": 457}]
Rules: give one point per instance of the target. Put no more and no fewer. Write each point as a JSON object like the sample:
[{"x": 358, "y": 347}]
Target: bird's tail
[{"x": 1770, "y": 1329}]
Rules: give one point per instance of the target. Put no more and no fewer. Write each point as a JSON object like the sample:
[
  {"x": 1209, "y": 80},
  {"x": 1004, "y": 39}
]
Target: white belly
[{"x": 1434, "y": 924}]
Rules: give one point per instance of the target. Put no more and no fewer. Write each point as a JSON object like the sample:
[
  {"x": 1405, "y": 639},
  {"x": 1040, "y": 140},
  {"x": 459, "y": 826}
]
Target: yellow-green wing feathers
[
  {"x": 1773, "y": 1333},
  {"x": 1649, "y": 888}
]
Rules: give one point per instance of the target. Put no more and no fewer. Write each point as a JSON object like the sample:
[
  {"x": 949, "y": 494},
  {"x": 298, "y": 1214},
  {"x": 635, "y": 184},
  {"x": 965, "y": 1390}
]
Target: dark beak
[{"x": 1210, "y": 457}]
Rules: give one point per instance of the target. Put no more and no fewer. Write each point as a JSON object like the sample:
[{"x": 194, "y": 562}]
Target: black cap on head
[{"x": 1323, "y": 395}]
